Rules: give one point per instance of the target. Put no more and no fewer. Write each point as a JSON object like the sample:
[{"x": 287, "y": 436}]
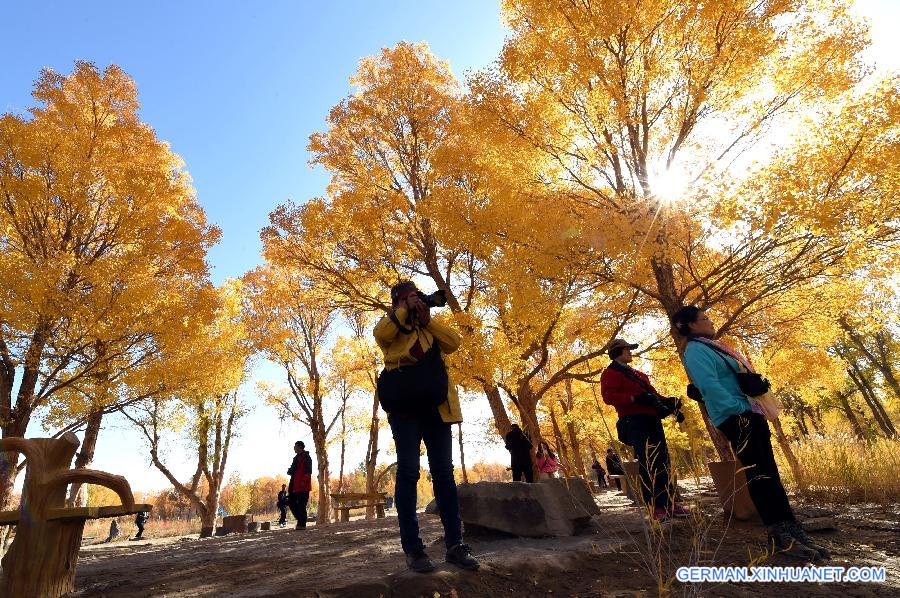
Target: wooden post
[{"x": 41, "y": 560}]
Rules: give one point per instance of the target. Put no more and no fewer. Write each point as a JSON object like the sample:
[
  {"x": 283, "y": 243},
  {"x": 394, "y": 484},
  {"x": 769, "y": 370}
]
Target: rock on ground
[{"x": 554, "y": 507}]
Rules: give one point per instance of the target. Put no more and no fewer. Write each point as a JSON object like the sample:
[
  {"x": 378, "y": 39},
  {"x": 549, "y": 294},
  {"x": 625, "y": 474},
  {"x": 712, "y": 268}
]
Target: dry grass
[
  {"x": 842, "y": 468},
  {"x": 97, "y": 530}
]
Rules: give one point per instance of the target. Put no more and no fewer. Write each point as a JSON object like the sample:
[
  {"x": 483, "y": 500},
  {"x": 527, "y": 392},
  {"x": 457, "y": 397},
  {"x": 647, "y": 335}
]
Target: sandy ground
[{"x": 362, "y": 558}]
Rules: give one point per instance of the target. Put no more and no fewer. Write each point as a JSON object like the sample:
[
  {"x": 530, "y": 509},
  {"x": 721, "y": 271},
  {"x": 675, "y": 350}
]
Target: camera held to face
[{"x": 435, "y": 299}]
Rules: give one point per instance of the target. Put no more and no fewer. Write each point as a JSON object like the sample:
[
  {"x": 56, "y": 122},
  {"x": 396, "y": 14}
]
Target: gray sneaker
[
  {"x": 782, "y": 542},
  {"x": 796, "y": 530}
]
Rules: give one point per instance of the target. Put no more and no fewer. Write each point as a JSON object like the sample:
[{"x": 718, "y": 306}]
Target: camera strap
[
  {"x": 629, "y": 373},
  {"x": 396, "y": 321},
  {"x": 721, "y": 356}
]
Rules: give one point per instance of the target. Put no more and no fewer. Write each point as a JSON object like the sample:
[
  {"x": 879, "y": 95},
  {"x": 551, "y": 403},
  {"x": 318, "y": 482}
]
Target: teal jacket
[{"x": 717, "y": 383}]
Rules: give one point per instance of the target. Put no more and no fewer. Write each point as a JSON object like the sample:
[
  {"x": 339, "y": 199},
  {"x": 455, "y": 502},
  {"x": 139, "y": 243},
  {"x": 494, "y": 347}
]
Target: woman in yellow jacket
[{"x": 404, "y": 335}]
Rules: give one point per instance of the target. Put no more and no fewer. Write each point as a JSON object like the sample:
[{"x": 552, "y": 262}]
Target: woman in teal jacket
[{"x": 712, "y": 368}]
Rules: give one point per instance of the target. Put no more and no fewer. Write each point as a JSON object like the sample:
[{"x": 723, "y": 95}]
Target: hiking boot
[
  {"x": 679, "y": 511},
  {"x": 782, "y": 542},
  {"x": 796, "y": 530},
  {"x": 419, "y": 562},
  {"x": 461, "y": 556},
  {"x": 300, "y": 526},
  {"x": 660, "y": 514}
]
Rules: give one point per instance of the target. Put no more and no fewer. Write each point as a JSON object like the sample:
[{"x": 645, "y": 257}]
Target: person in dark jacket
[
  {"x": 113, "y": 530},
  {"x": 614, "y": 466},
  {"x": 519, "y": 446},
  {"x": 283, "y": 505},
  {"x": 600, "y": 473},
  {"x": 140, "y": 521},
  {"x": 300, "y": 484},
  {"x": 640, "y": 427}
]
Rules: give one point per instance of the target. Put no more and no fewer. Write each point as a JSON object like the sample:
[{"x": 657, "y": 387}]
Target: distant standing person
[
  {"x": 113, "y": 530},
  {"x": 600, "y": 473},
  {"x": 614, "y": 466},
  {"x": 301, "y": 483},
  {"x": 546, "y": 461},
  {"x": 519, "y": 446},
  {"x": 283, "y": 505},
  {"x": 140, "y": 521}
]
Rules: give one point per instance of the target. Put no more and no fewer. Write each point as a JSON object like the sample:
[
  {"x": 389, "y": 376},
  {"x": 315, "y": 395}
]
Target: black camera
[
  {"x": 436, "y": 299},
  {"x": 665, "y": 406}
]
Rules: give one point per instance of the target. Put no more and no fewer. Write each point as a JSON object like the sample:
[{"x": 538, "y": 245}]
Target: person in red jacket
[
  {"x": 640, "y": 427},
  {"x": 301, "y": 483}
]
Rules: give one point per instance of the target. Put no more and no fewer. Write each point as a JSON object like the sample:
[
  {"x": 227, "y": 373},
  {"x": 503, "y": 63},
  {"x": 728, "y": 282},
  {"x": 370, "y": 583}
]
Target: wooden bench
[
  {"x": 42, "y": 558},
  {"x": 345, "y": 501}
]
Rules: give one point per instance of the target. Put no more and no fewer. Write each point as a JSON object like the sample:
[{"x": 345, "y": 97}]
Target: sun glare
[{"x": 670, "y": 184}]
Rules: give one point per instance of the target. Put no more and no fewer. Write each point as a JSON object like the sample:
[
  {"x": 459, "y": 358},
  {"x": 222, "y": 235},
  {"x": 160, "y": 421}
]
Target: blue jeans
[{"x": 409, "y": 432}]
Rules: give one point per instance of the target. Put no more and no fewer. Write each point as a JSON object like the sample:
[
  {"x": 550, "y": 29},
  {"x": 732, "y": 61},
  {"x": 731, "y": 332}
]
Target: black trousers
[
  {"x": 297, "y": 502},
  {"x": 409, "y": 434},
  {"x": 644, "y": 433},
  {"x": 522, "y": 470},
  {"x": 751, "y": 441},
  {"x": 283, "y": 518}
]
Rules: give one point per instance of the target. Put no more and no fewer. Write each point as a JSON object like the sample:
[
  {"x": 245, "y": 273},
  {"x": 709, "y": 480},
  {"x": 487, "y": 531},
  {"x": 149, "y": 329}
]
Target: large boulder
[{"x": 553, "y": 507}]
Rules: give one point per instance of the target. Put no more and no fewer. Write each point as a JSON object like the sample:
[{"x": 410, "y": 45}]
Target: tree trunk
[
  {"x": 323, "y": 513},
  {"x": 211, "y": 503},
  {"x": 498, "y": 409},
  {"x": 560, "y": 443},
  {"x": 343, "y": 446},
  {"x": 372, "y": 455},
  {"x": 567, "y": 406},
  {"x": 664, "y": 274},
  {"x": 815, "y": 418},
  {"x": 77, "y": 492},
  {"x": 868, "y": 395},
  {"x": 208, "y": 516},
  {"x": 9, "y": 462},
  {"x": 882, "y": 361},
  {"x": 462, "y": 454},
  {"x": 800, "y": 416},
  {"x": 851, "y": 417},
  {"x": 788, "y": 453}
]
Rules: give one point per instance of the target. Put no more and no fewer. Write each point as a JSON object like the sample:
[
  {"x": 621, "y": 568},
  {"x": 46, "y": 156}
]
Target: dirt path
[{"x": 362, "y": 558}]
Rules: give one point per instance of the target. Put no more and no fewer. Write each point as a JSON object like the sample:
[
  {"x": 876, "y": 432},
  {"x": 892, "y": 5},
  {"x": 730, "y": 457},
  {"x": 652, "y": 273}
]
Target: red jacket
[
  {"x": 301, "y": 473},
  {"x": 618, "y": 389}
]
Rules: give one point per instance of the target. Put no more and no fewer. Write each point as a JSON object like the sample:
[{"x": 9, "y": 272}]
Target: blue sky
[{"x": 237, "y": 88}]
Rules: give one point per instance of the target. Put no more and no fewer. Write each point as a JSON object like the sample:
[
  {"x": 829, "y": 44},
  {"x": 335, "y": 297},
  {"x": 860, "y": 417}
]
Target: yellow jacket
[{"x": 396, "y": 346}]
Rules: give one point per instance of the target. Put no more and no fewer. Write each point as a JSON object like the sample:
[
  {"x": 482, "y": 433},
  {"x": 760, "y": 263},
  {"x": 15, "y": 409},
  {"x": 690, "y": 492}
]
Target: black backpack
[{"x": 415, "y": 389}]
